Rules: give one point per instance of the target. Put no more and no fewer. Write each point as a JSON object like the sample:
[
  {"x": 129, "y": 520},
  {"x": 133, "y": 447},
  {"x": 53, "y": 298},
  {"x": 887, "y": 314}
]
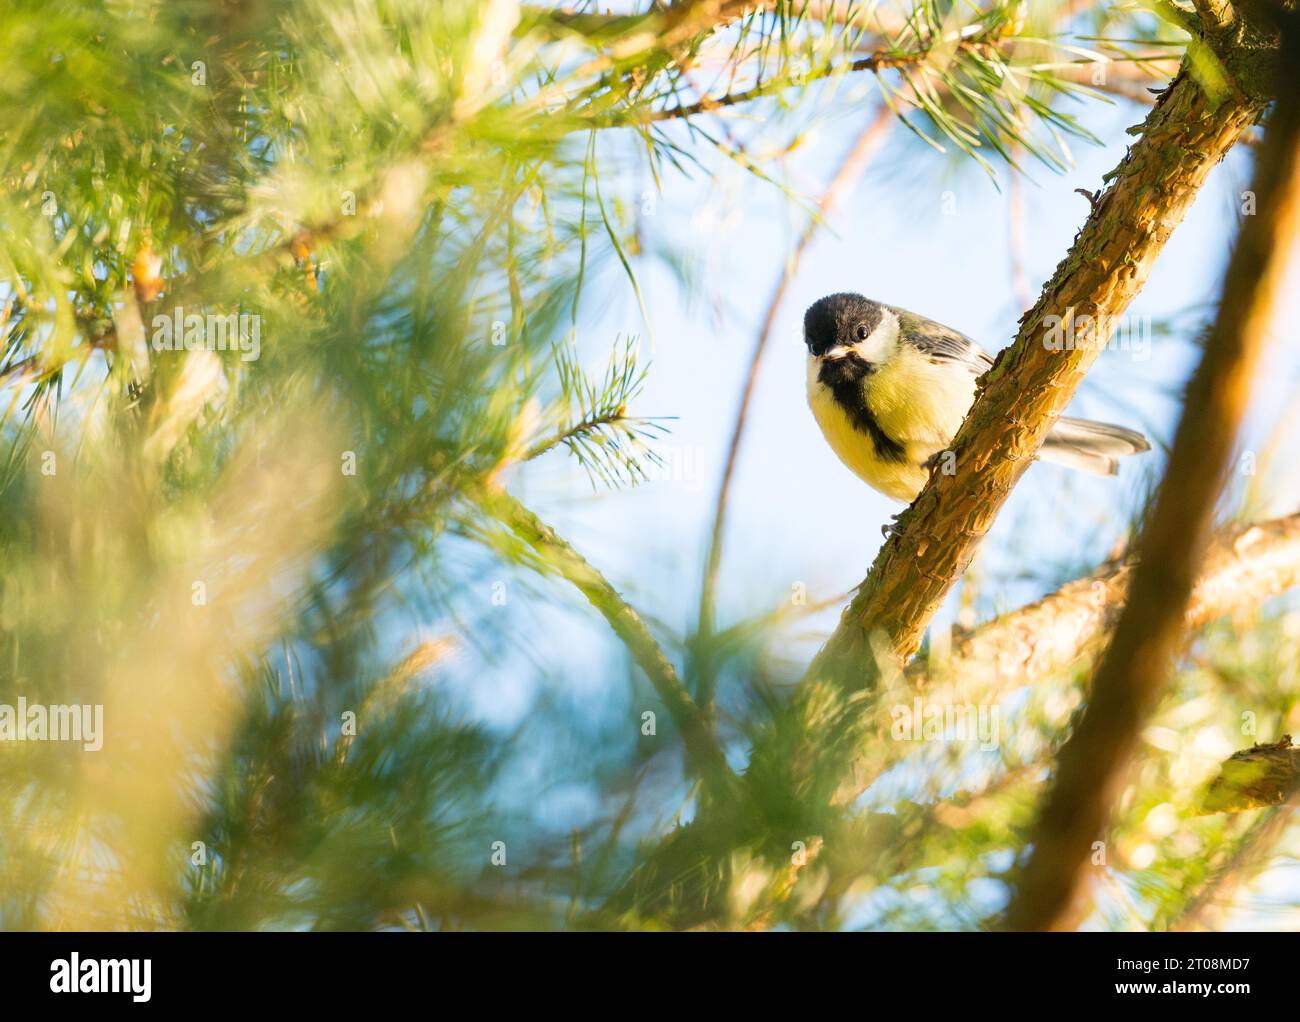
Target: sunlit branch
[
  {"x": 1051, "y": 893},
  {"x": 882, "y": 60},
  {"x": 1065, "y": 630},
  {"x": 1264, "y": 775}
]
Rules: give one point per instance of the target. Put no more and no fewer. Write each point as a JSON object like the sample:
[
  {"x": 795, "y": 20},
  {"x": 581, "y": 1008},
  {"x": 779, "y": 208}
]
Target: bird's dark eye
[{"x": 862, "y": 333}]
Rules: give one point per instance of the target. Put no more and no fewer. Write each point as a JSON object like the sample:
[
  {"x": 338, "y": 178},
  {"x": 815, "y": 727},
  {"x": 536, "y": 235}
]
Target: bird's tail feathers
[{"x": 1091, "y": 446}]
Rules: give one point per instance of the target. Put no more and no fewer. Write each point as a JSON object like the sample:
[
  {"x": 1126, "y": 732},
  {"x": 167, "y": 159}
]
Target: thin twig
[
  {"x": 882, "y": 60},
  {"x": 701, "y": 745},
  {"x": 579, "y": 429}
]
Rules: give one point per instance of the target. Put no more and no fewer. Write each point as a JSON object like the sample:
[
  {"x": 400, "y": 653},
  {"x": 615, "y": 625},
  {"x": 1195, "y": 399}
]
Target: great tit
[{"x": 889, "y": 390}]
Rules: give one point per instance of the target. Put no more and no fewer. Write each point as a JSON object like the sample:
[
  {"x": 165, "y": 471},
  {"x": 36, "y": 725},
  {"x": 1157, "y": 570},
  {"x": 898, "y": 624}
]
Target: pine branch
[
  {"x": 884, "y": 60},
  {"x": 1092, "y": 764},
  {"x": 1263, "y": 775},
  {"x": 575, "y": 433},
  {"x": 1066, "y": 630},
  {"x": 609, "y": 443},
  {"x": 1245, "y": 567},
  {"x": 967, "y": 80},
  {"x": 702, "y": 748},
  {"x": 663, "y": 28}
]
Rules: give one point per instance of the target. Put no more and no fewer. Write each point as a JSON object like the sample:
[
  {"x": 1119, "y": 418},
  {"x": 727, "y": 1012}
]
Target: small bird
[{"x": 889, "y": 390}]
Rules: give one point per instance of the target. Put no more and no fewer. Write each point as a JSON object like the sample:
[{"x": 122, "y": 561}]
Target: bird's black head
[{"x": 839, "y": 319}]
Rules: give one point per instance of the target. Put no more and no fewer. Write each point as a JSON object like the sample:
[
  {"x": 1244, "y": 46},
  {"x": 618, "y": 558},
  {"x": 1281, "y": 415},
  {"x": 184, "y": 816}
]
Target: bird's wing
[{"x": 940, "y": 343}]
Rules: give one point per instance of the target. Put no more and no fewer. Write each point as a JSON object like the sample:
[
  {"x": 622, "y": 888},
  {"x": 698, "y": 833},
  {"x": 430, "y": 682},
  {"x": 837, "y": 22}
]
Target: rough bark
[
  {"x": 1265, "y": 775},
  {"x": 1245, "y": 566},
  {"x": 1092, "y": 765}
]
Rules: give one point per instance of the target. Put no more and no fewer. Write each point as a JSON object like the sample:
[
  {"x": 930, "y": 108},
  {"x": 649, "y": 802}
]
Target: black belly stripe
[{"x": 848, "y": 395}]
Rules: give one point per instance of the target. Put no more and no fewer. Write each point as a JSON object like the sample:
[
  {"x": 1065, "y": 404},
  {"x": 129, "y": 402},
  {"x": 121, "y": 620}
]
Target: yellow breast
[{"x": 916, "y": 403}]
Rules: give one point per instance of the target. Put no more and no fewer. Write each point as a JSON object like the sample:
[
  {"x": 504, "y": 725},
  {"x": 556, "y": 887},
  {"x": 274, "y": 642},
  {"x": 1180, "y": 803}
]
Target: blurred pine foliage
[{"x": 408, "y": 198}]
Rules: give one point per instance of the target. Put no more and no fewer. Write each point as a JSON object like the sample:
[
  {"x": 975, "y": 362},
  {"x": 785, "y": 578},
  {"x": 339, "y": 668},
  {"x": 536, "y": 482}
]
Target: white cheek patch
[{"x": 877, "y": 348}]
